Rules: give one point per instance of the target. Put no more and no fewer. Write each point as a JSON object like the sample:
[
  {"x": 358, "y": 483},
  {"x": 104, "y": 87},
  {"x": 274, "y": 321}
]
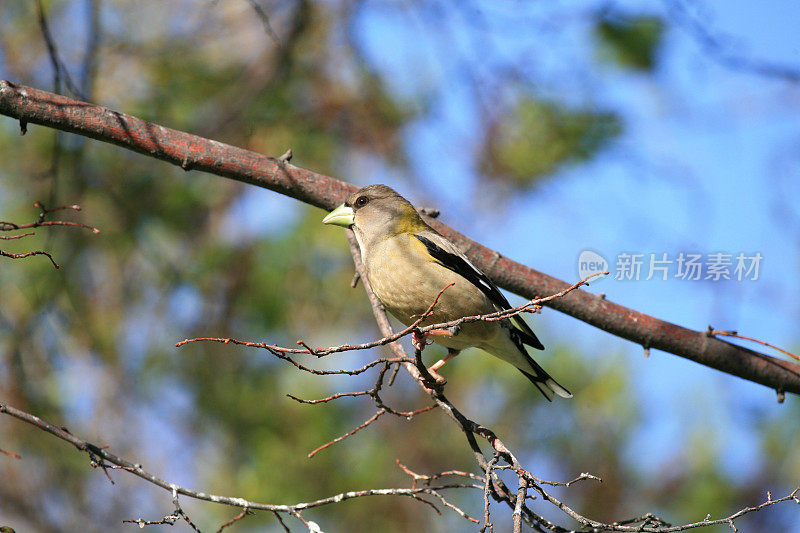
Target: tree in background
[{"x": 91, "y": 345}]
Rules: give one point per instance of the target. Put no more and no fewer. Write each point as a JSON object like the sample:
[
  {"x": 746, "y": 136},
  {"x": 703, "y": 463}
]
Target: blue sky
[
  {"x": 701, "y": 167},
  {"x": 707, "y": 163}
]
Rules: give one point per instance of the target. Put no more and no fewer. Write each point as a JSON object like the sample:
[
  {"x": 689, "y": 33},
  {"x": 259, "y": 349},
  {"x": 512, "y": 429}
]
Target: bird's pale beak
[{"x": 341, "y": 216}]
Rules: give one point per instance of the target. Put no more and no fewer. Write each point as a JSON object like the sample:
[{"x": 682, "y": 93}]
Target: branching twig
[
  {"x": 170, "y": 519},
  {"x": 428, "y": 478},
  {"x": 101, "y": 457},
  {"x": 414, "y": 327},
  {"x": 39, "y": 222}
]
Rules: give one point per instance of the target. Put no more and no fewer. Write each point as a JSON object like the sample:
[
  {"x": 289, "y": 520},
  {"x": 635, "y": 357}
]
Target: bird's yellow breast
[{"x": 406, "y": 279}]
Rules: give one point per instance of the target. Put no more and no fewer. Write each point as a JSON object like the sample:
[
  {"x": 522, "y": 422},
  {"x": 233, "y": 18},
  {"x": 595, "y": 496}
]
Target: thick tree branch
[{"x": 191, "y": 152}]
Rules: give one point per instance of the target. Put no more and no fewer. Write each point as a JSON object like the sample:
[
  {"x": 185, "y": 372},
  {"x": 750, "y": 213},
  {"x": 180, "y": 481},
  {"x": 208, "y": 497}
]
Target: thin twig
[
  {"x": 280, "y": 520},
  {"x": 522, "y": 494},
  {"x": 98, "y": 453},
  {"x": 262, "y": 15},
  {"x": 235, "y": 519},
  {"x": 414, "y": 327},
  {"x": 39, "y": 222},
  {"x": 12, "y": 237},
  {"x": 714, "y": 332},
  {"x": 487, "y": 482},
  {"x": 29, "y": 254},
  {"x": 355, "y": 430},
  {"x": 428, "y": 478},
  {"x": 59, "y": 69},
  {"x": 10, "y": 454}
]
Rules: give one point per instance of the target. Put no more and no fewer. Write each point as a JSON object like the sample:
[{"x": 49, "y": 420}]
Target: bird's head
[{"x": 375, "y": 212}]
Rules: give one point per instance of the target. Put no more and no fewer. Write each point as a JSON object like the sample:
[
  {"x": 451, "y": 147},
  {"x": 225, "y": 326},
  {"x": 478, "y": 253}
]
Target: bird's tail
[
  {"x": 508, "y": 345},
  {"x": 545, "y": 383}
]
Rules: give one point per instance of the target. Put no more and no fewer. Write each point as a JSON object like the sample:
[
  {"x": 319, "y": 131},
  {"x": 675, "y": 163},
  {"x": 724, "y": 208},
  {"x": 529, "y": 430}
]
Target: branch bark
[{"x": 191, "y": 152}]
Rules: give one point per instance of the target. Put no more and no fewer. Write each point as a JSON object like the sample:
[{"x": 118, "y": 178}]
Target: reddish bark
[{"x": 196, "y": 153}]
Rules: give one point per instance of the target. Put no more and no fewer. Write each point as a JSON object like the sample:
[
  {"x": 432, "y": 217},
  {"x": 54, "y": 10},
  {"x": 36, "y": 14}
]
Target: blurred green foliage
[
  {"x": 629, "y": 41},
  {"x": 91, "y": 346},
  {"x": 538, "y": 136}
]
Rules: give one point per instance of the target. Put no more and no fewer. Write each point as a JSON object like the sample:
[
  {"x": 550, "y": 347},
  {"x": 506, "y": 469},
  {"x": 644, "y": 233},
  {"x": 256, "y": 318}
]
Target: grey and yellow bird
[{"x": 408, "y": 264}]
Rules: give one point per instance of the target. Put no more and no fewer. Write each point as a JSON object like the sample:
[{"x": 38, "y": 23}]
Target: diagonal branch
[{"x": 192, "y": 152}]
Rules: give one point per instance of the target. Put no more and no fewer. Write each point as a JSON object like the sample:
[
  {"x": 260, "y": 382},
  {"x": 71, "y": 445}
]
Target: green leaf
[
  {"x": 629, "y": 41},
  {"x": 538, "y": 136}
]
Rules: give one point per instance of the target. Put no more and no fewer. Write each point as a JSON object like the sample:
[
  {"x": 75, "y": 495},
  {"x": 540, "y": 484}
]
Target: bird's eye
[{"x": 361, "y": 201}]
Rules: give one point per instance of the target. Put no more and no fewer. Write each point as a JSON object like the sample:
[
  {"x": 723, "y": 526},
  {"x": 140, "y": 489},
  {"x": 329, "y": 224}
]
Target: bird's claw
[
  {"x": 419, "y": 340},
  {"x": 437, "y": 382}
]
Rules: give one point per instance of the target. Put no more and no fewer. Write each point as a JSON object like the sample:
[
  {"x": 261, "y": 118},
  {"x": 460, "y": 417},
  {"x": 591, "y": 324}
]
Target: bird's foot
[
  {"x": 433, "y": 369},
  {"x": 438, "y": 379},
  {"x": 419, "y": 340},
  {"x": 449, "y": 332}
]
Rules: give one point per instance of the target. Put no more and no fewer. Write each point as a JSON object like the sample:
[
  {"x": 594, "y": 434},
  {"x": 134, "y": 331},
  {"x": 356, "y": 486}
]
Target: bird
[{"x": 408, "y": 264}]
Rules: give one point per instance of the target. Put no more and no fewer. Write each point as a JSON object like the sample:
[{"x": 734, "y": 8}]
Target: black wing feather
[{"x": 467, "y": 270}]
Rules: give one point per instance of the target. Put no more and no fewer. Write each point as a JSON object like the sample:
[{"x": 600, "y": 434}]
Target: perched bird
[{"x": 408, "y": 264}]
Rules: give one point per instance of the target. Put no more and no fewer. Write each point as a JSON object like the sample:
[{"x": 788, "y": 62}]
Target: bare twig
[
  {"x": 429, "y": 478},
  {"x": 235, "y": 519},
  {"x": 418, "y": 370},
  {"x": 414, "y": 327},
  {"x": 487, "y": 483},
  {"x": 29, "y": 254},
  {"x": 262, "y": 15},
  {"x": 280, "y": 520},
  {"x": 59, "y": 70},
  {"x": 100, "y": 457},
  {"x": 12, "y": 237},
  {"x": 358, "y": 428},
  {"x": 584, "y": 476},
  {"x": 522, "y": 494},
  {"x": 713, "y": 332},
  {"x": 39, "y": 222},
  {"x": 10, "y": 454}
]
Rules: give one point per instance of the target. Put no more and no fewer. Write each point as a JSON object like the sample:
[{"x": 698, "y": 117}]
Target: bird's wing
[{"x": 449, "y": 256}]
